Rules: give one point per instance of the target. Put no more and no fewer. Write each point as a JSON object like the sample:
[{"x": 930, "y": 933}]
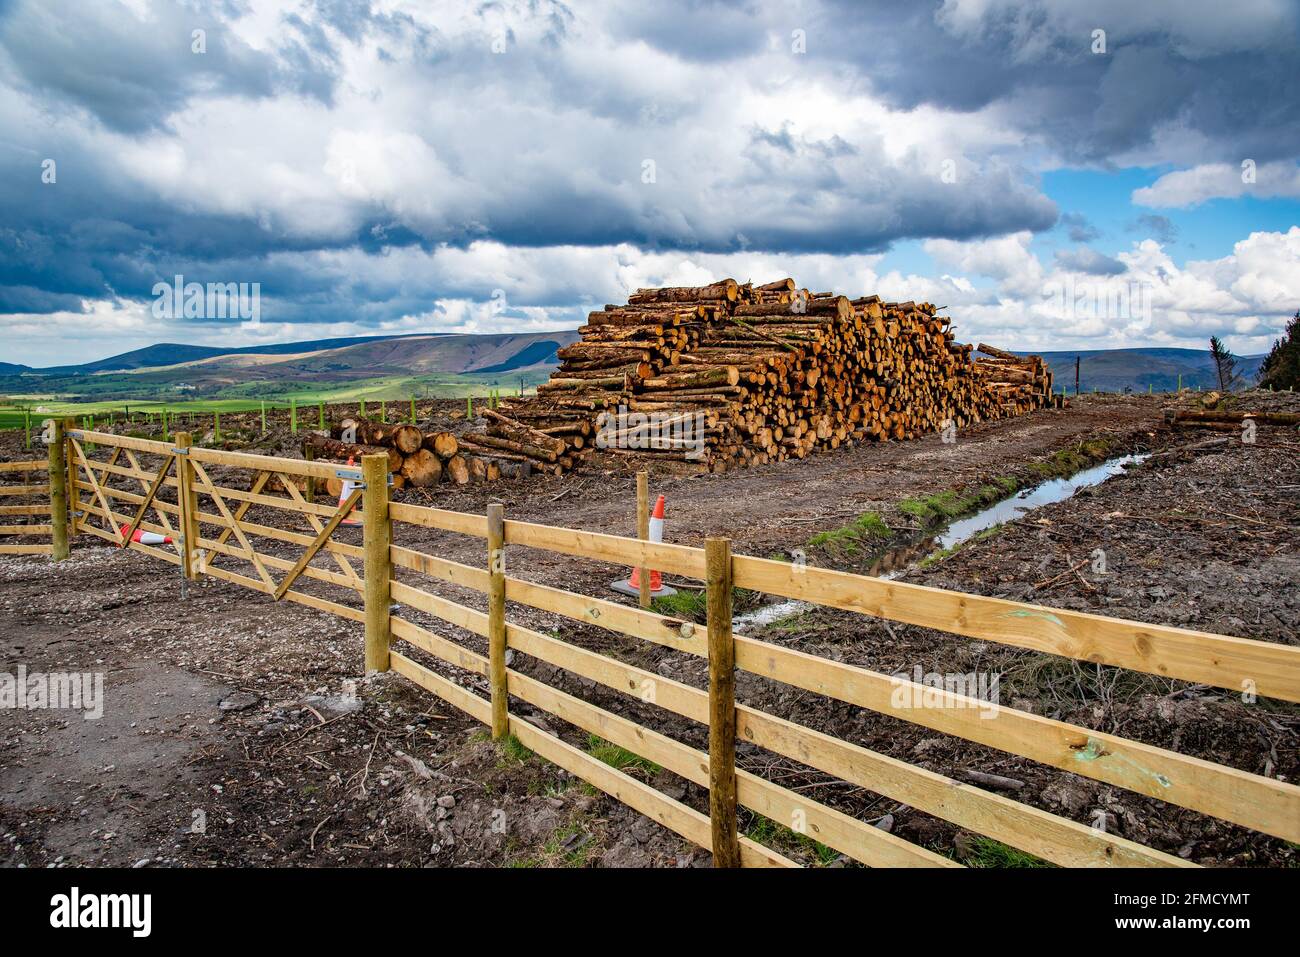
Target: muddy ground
[{"x": 238, "y": 731}]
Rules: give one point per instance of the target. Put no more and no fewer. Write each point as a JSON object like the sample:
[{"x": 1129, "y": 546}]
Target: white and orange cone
[
  {"x": 348, "y": 486},
  {"x": 146, "y": 538},
  {"x": 632, "y": 584}
]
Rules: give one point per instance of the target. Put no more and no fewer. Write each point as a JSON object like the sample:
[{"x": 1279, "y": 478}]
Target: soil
[{"x": 238, "y": 731}]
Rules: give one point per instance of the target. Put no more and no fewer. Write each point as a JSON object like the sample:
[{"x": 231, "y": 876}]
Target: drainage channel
[{"x": 898, "y": 559}]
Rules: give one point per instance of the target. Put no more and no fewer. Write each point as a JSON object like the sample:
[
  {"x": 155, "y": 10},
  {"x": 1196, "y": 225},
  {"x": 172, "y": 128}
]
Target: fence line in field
[{"x": 175, "y": 488}]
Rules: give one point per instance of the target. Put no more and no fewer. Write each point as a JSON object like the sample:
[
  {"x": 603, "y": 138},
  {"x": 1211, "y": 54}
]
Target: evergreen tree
[
  {"x": 1225, "y": 364},
  {"x": 1281, "y": 367}
]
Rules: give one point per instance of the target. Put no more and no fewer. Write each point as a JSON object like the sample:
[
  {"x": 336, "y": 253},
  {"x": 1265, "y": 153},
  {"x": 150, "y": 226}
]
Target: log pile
[
  {"x": 733, "y": 374},
  {"x": 416, "y": 458},
  {"x": 1019, "y": 380},
  {"x": 508, "y": 448}
]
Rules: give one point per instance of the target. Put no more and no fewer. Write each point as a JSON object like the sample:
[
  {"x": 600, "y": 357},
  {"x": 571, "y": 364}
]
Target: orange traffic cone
[
  {"x": 147, "y": 538},
  {"x": 348, "y": 486},
  {"x": 632, "y": 585}
]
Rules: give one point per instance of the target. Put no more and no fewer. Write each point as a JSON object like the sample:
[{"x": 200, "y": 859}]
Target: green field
[
  {"x": 248, "y": 397},
  {"x": 390, "y": 388},
  {"x": 13, "y": 415}
]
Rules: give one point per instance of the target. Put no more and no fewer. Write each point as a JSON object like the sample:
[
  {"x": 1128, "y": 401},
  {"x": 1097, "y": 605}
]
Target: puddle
[
  {"x": 766, "y": 614},
  {"x": 1026, "y": 500},
  {"x": 896, "y": 560}
]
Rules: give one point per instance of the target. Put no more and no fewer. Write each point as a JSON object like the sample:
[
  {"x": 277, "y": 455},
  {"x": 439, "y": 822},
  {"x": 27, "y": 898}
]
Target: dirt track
[{"x": 306, "y": 765}]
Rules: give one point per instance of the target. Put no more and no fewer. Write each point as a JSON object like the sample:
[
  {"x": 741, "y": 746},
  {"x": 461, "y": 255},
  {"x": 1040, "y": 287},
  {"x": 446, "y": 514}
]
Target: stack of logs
[
  {"x": 416, "y": 458},
  {"x": 770, "y": 372},
  {"x": 1022, "y": 379},
  {"x": 419, "y": 459}
]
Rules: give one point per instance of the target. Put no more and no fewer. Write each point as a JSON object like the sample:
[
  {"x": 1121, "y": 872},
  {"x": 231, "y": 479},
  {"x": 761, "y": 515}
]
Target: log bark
[
  {"x": 521, "y": 432},
  {"x": 725, "y": 289},
  {"x": 422, "y": 468},
  {"x": 457, "y": 470},
  {"x": 718, "y": 375},
  {"x": 329, "y": 448},
  {"x": 441, "y": 444},
  {"x": 509, "y": 445},
  {"x": 401, "y": 436}
]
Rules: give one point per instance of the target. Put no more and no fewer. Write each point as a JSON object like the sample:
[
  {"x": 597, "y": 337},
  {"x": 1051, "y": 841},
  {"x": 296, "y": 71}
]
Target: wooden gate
[
  {"x": 190, "y": 492},
  {"x": 25, "y": 508}
]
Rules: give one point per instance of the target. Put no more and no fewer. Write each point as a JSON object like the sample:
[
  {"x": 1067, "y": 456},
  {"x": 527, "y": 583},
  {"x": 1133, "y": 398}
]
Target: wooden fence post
[
  {"x": 722, "y": 705},
  {"x": 643, "y": 532},
  {"x": 309, "y": 453},
  {"x": 58, "y": 492},
  {"x": 497, "y": 619},
  {"x": 377, "y": 535},
  {"x": 71, "y": 469},
  {"x": 188, "y": 500}
]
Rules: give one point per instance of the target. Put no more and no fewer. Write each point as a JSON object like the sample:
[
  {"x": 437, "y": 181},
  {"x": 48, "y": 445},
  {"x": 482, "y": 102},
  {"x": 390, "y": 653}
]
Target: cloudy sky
[{"x": 1057, "y": 174}]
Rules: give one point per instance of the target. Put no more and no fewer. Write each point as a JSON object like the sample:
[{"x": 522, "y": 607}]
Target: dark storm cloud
[
  {"x": 700, "y": 30},
  {"x": 1161, "y": 228},
  {"x": 85, "y": 236},
  {"x": 1086, "y": 259},
  {"x": 1078, "y": 228},
  {"x": 1164, "y": 64},
  {"x": 958, "y": 75},
  {"x": 132, "y": 75},
  {"x": 545, "y": 143}
]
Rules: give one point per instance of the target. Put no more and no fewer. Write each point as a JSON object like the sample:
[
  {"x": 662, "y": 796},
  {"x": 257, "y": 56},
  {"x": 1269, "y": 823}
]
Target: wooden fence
[
  {"x": 33, "y": 518},
  {"x": 181, "y": 485}
]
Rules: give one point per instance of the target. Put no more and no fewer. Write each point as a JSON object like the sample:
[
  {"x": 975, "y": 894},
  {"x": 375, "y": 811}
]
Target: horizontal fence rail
[
  {"x": 30, "y": 520},
  {"x": 194, "y": 504}
]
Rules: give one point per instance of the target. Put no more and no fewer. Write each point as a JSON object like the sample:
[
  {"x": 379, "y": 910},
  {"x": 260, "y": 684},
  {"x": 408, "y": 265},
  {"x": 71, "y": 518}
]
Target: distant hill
[
  {"x": 505, "y": 352},
  {"x": 1113, "y": 370},
  {"x": 172, "y": 353},
  {"x": 168, "y": 368},
  {"x": 407, "y": 355}
]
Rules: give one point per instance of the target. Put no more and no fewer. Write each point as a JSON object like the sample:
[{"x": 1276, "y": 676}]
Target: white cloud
[
  {"x": 1245, "y": 297},
  {"x": 102, "y": 328},
  {"x": 545, "y": 143},
  {"x": 1006, "y": 259},
  {"x": 997, "y": 291},
  {"x": 1197, "y": 28},
  {"x": 1190, "y": 187},
  {"x": 312, "y": 133}
]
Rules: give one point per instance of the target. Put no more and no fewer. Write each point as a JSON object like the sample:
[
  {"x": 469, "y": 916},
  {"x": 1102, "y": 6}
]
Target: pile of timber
[
  {"x": 416, "y": 458},
  {"x": 766, "y": 373},
  {"x": 527, "y": 446},
  {"x": 1020, "y": 380}
]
